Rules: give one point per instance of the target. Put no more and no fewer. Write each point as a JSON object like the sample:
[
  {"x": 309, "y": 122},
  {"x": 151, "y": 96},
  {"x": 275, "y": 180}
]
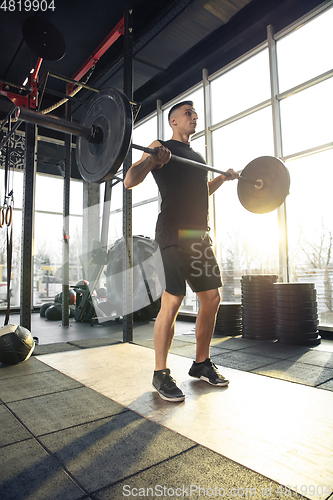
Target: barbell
[{"x": 104, "y": 138}]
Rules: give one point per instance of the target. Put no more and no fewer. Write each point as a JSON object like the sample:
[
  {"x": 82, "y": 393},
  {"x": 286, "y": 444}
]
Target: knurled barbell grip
[{"x": 192, "y": 163}]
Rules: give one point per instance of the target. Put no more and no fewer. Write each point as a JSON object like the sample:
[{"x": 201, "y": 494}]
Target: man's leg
[
  {"x": 163, "y": 334},
  {"x": 205, "y": 323},
  {"x": 165, "y": 328},
  {"x": 203, "y": 368}
]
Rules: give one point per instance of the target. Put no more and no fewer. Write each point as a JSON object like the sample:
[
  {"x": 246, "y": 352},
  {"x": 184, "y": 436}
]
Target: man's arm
[
  {"x": 139, "y": 170},
  {"x": 215, "y": 183}
]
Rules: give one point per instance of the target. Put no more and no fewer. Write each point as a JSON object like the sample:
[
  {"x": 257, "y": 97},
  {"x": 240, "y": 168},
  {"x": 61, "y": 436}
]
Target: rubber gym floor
[{"x": 80, "y": 419}]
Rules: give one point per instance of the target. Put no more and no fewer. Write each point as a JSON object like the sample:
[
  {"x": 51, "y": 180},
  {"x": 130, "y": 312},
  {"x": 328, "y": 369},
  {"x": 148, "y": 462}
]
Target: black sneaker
[
  {"x": 207, "y": 371},
  {"x": 166, "y": 386}
]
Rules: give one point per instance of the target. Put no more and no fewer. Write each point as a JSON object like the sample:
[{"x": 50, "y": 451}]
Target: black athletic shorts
[{"x": 193, "y": 262}]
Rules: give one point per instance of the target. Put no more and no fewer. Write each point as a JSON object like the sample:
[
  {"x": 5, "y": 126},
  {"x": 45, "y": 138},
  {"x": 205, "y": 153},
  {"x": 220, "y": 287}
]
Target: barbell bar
[
  {"x": 104, "y": 138},
  {"x": 196, "y": 164},
  {"x": 94, "y": 134}
]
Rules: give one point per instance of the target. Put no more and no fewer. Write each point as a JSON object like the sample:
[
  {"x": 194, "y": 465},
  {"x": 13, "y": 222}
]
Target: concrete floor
[{"x": 80, "y": 419}]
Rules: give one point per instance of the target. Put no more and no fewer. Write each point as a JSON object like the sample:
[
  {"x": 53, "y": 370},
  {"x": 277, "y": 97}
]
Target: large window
[
  {"x": 48, "y": 237},
  {"x": 307, "y": 126},
  {"x": 242, "y": 129},
  {"x": 307, "y": 118},
  {"x": 306, "y": 52},
  {"x": 17, "y": 186},
  {"x": 241, "y": 88},
  {"x": 244, "y": 242},
  {"x": 238, "y": 143}
]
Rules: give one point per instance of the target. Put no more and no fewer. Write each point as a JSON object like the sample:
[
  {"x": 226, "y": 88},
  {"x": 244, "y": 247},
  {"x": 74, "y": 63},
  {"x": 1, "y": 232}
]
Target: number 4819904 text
[{"x": 27, "y": 5}]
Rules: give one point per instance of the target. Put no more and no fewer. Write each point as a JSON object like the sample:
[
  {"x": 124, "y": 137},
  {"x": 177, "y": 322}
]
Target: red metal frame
[
  {"x": 97, "y": 54},
  {"x": 30, "y": 101},
  {"x": 17, "y": 99}
]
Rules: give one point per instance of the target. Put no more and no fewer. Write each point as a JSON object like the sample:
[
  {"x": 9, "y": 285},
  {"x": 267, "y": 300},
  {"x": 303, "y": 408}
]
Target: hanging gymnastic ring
[
  {"x": 9, "y": 215},
  {"x": 2, "y": 217}
]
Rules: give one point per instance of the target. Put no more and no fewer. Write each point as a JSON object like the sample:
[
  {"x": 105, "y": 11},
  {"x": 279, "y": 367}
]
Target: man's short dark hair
[{"x": 179, "y": 105}]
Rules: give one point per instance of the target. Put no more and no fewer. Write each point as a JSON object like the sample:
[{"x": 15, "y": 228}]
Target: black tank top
[{"x": 184, "y": 192}]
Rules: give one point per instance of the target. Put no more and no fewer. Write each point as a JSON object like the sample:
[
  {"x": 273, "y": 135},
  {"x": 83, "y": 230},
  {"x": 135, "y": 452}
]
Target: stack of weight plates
[
  {"x": 229, "y": 319},
  {"x": 258, "y": 306},
  {"x": 296, "y": 314}
]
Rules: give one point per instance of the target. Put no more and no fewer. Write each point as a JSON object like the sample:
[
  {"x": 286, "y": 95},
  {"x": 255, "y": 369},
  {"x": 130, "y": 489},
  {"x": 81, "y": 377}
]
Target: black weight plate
[
  {"x": 250, "y": 297},
  {"x": 294, "y": 311},
  {"x": 298, "y": 322},
  {"x": 258, "y": 312},
  {"x": 259, "y": 322},
  {"x": 257, "y": 294},
  {"x": 229, "y": 312},
  {"x": 251, "y": 277},
  {"x": 269, "y": 292},
  {"x": 270, "y": 322},
  {"x": 264, "y": 282},
  {"x": 295, "y": 317},
  {"x": 259, "y": 279},
  {"x": 260, "y": 287},
  {"x": 229, "y": 317},
  {"x": 301, "y": 342},
  {"x": 258, "y": 337},
  {"x": 43, "y": 38},
  {"x": 305, "y": 335},
  {"x": 229, "y": 331},
  {"x": 227, "y": 324},
  {"x": 259, "y": 317},
  {"x": 263, "y": 332},
  {"x": 276, "y": 183},
  {"x": 294, "y": 286},
  {"x": 264, "y": 294},
  {"x": 306, "y": 294},
  {"x": 294, "y": 329},
  {"x": 231, "y": 324},
  {"x": 258, "y": 328},
  {"x": 258, "y": 291},
  {"x": 111, "y": 111},
  {"x": 267, "y": 332},
  {"x": 253, "y": 303},
  {"x": 292, "y": 302},
  {"x": 259, "y": 301},
  {"x": 265, "y": 317}
]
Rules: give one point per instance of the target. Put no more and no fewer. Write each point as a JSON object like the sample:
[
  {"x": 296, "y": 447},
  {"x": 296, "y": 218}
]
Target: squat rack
[{"x": 29, "y": 100}]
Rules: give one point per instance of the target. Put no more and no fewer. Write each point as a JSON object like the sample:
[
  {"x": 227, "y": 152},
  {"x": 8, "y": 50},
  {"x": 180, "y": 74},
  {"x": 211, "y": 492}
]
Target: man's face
[{"x": 185, "y": 119}]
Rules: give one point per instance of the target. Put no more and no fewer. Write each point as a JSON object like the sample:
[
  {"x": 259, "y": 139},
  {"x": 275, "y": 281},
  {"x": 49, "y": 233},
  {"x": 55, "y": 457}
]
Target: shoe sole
[
  {"x": 166, "y": 398},
  {"x": 205, "y": 379}
]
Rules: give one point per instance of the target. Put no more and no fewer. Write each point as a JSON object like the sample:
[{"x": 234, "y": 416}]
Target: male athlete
[{"x": 186, "y": 248}]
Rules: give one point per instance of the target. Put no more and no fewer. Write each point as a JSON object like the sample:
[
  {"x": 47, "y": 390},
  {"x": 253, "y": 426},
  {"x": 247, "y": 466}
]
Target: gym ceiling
[{"x": 173, "y": 41}]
